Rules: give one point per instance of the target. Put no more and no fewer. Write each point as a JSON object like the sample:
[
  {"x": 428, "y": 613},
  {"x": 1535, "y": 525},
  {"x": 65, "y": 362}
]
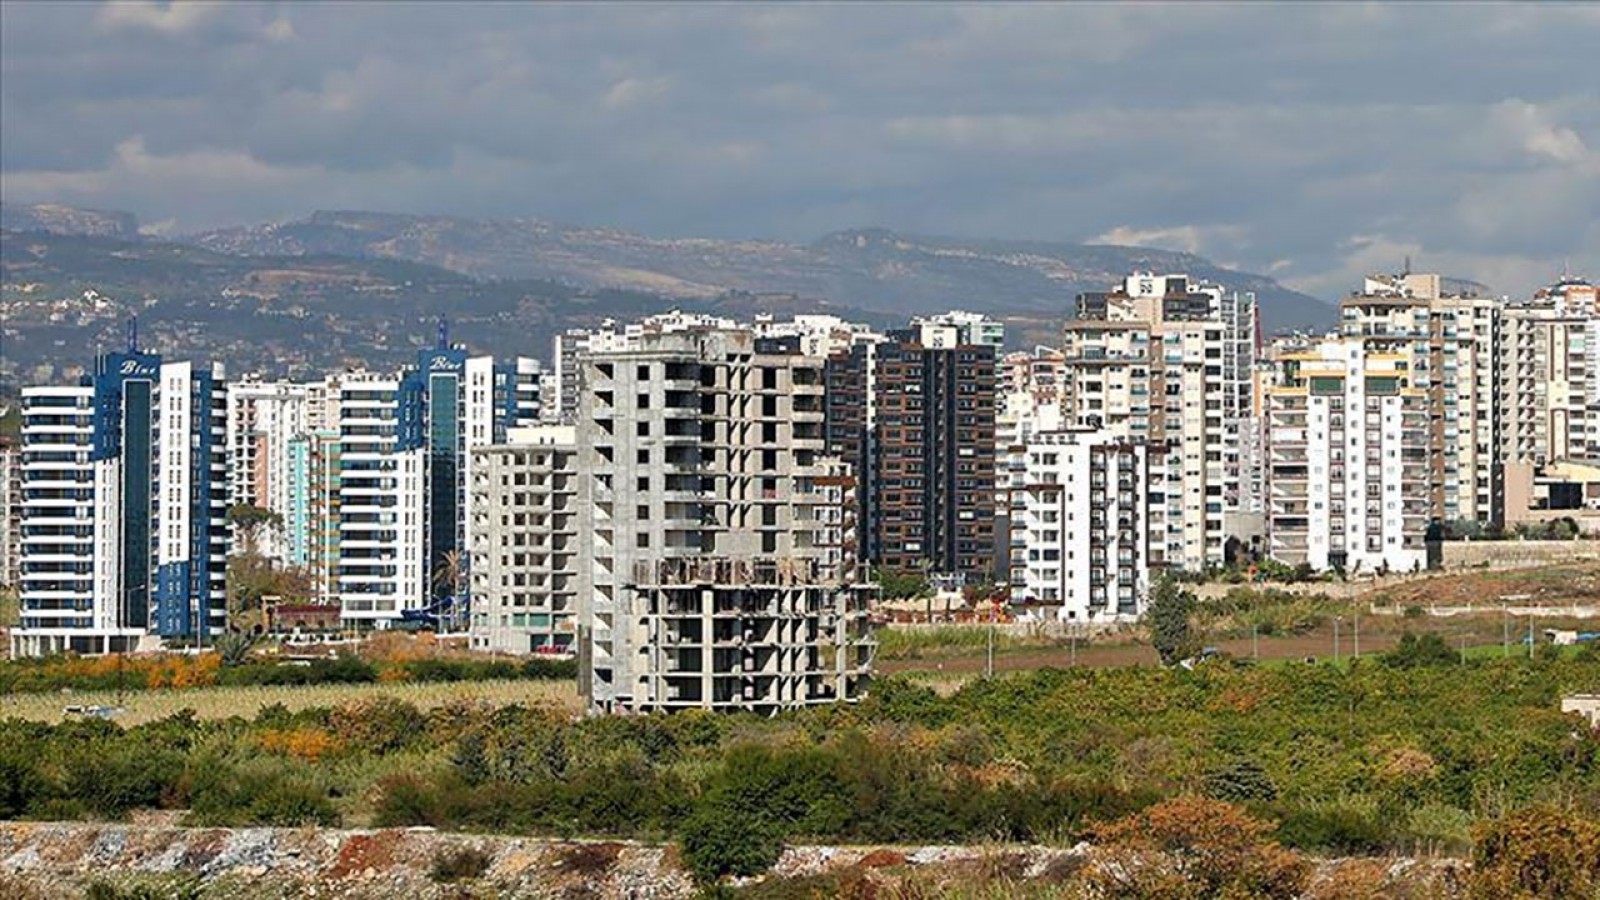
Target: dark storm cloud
[{"x": 1315, "y": 141}]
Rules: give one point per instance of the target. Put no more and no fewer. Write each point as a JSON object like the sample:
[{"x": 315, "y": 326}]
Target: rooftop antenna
[
  {"x": 444, "y": 334},
  {"x": 133, "y": 334}
]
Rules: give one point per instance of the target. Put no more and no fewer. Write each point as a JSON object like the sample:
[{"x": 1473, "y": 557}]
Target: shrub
[
  {"x": 1537, "y": 853},
  {"x": 110, "y": 780},
  {"x": 459, "y": 864},
  {"x": 1240, "y": 781},
  {"x": 1193, "y": 846},
  {"x": 22, "y": 785},
  {"x": 259, "y": 791},
  {"x": 1340, "y": 828},
  {"x": 1417, "y": 652},
  {"x": 723, "y": 838}
]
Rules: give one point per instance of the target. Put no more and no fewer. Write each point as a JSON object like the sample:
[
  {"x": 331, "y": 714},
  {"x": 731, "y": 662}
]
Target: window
[
  {"x": 643, "y": 484},
  {"x": 644, "y": 373},
  {"x": 642, "y": 539},
  {"x": 643, "y": 457},
  {"x": 643, "y": 512},
  {"x": 642, "y": 429},
  {"x": 643, "y": 401}
]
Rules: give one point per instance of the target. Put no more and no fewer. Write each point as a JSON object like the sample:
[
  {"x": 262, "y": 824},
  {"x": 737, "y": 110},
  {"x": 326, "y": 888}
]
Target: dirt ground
[
  {"x": 1575, "y": 584},
  {"x": 1378, "y": 634}
]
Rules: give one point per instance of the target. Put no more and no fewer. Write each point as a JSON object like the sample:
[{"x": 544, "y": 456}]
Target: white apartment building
[
  {"x": 524, "y": 561},
  {"x": 1078, "y": 523},
  {"x": 263, "y": 419},
  {"x": 382, "y": 525},
  {"x": 123, "y": 506},
  {"x": 1171, "y": 363},
  {"x": 958, "y": 328},
  {"x": 1351, "y": 461},
  {"x": 713, "y": 563},
  {"x": 1454, "y": 341}
]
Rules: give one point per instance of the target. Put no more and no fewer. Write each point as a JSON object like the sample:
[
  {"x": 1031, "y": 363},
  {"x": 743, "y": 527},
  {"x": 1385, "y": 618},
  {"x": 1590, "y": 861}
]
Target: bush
[
  {"x": 723, "y": 838},
  {"x": 259, "y": 791},
  {"x": 1416, "y": 652},
  {"x": 1338, "y": 828},
  {"x": 110, "y": 780},
  {"x": 1537, "y": 853},
  {"x": 459, "y": 864}
]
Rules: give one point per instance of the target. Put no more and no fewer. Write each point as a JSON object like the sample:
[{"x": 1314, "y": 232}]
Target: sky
[{"x": 1311, "y": 142}]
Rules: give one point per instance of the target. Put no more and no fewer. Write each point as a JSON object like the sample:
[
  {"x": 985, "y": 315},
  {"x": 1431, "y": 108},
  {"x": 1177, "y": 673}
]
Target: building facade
[
  {"x": 1169, "y": 362},
  {"x": 710, "y": 573},
  {"x": 1352, "y": 483},
  {"x": 915, "y": 414},
  {"x": 1078, "y": 526},
  {"x": 124, "y": 504},
  {"x": 524, "y": 561}
]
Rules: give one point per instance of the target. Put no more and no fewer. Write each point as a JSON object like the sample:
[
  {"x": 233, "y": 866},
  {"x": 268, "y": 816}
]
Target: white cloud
[
  {"x": 1188, "y": 238},
  {"x": 172, "y": 18},
  {"x": 635, "y": 91}
]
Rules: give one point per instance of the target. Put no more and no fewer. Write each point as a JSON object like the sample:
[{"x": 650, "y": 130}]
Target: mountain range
[{"x": 368, "y": 284}]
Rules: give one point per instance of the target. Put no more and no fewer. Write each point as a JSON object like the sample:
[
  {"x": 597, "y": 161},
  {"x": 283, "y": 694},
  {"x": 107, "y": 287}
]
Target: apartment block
[
  {"x": 1170, "y": 362},
  {"x": 915, "y": 414},
  {"x": 263, "y": 418},
  {"x": 124, "y": 504},
  {"x": 10, "y": 511},
  {"x": 1453, "y": 340},
  {"x": 1078, "y": 525},
  {"x": 524, "y": 560},
  {"x": 711, "y": 529},
  {"x": 1353, "y": 473}
]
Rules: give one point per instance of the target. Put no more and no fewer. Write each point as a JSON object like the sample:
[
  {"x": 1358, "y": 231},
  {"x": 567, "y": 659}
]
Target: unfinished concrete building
[
  {"x": 524, "y": 532},
  {"x": 715, "y": 569}
]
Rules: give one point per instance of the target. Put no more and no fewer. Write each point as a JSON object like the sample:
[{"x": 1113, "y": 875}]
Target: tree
[
  {"x": 902, "y": 584},
  {"x": 248, "y": 520},
  {"x": 234, "y": 648},
  {"x": 1168, "y": 616},
  {"x": 1417, "y": 652},
  {"x": 449, "y": 574}
]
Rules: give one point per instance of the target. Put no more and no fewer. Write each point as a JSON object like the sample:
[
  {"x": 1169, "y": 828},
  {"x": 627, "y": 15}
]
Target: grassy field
[{"x": 221, "y": 702}]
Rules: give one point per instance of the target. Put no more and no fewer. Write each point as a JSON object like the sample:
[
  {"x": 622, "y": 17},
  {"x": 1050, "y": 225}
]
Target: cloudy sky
[{"x": 1312, "y": 142}]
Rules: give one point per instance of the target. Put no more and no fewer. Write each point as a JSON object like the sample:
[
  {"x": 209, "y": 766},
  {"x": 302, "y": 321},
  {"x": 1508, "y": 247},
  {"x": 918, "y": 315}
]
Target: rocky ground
[{"x": 46, "y": 861}]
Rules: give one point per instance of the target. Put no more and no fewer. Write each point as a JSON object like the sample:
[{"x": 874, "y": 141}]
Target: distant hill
[
  {"x": 68, "y": 220},
  {"x": 872, "y": 269},
  {"x": 67, "y": 296}
]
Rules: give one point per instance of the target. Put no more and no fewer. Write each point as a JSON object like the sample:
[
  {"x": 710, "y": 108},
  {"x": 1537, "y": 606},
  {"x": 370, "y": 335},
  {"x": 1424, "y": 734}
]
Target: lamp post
[{"x": 1336, "y": 621}]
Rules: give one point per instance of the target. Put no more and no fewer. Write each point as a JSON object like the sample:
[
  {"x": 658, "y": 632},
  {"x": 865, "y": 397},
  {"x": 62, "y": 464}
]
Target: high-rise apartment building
[
  {"x": 915, "y": 414},
  {"x": 1453, "y": 340},
  {"x": 1078, "y": 526},
  {"x": 124, "y": 504},
  {"x": 524, "y": 561},
  {"x": 263, "y": 419},
  {"x": 1164, "y": 360},
  {"x": 405, "y": 467},
  {"x": 710, "y": 529},
  {"x": 1353, "y": 478},
  {"x": 10, "y": 511}
]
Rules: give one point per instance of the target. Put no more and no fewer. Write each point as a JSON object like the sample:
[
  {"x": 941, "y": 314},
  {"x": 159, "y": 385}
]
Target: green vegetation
[
  {"x": 929, "y": 641},
  {"x": 232, "y": 667},
  {"x": 1170, "y": 611},
  {"x": 9, "y": 608},
  {"x": 1372, "y": 757},
  {"x": 902, "y": 584}
]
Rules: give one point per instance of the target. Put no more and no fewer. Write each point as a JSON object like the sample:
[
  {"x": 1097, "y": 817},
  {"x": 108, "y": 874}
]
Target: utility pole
[
  {"x": 1255, "y": 641},
  {"x": 1358, "y": 635},
  {"x": 1505, "y": 622},
  {"x": 1072, "y": 642},
  {"x": 1336, "y": 620},
  {"x": 1530, "y": 635}
]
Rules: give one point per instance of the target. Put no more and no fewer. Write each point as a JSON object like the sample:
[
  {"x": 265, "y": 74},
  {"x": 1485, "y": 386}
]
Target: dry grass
[{"x": 221, "y": 702}]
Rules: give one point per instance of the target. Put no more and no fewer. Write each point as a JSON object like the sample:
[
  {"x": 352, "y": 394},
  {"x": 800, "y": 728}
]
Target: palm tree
[{"x": 449, "y": 578}]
